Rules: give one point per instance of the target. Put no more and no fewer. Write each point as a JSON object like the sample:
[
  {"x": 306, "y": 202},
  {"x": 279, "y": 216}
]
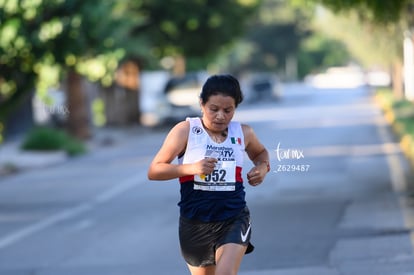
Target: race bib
[{"x": 223, "y": 178}]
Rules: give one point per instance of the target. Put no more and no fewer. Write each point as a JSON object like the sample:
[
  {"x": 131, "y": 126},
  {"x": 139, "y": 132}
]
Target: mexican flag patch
[{"x": 235, "y": 140}]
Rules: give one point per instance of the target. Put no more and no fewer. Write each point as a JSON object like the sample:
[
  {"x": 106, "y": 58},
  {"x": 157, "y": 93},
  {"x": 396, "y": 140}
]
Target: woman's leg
[{"x": 228, "y": 258}]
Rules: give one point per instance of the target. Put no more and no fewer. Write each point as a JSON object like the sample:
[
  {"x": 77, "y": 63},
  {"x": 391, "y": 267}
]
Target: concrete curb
[
  {"x": 406, "y": 142},
  {"x": 14, "y": 160}
]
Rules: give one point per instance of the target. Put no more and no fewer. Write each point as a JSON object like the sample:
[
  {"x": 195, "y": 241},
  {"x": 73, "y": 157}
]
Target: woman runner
[{"x": 214, "y": 226}]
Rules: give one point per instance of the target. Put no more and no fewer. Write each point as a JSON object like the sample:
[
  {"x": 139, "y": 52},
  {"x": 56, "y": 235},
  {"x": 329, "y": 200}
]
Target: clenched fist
[{"x": 205, "y": 166}]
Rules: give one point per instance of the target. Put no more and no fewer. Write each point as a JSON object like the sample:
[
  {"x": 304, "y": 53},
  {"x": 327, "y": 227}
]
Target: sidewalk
[{"x": 13, "y": 159}]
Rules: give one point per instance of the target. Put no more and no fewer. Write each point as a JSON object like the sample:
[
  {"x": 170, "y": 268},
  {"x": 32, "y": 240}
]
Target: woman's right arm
[{"x": 174, "y": 144}]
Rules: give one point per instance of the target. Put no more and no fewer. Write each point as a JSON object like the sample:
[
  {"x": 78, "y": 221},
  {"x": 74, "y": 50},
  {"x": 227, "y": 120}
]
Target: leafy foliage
[
  {"x": 48, "y": 139},
  {"x": 370, "y": 44},
  {"x": 372, "y": 30},
  {"x": 54, "y": 34},
  {"x": 92, "y": 36},
  {"x": 318, "y": 52},
  {"x": 372, "y": 10},
  {"x": 194, "y": 29},
  {"x": 274, "y": 34}
]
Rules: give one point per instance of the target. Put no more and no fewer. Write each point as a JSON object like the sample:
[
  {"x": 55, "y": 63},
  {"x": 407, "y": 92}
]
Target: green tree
[
  {"x": 274, "y": 35},
  {"x": 195, "y": 30},
  {"x": 371, "y": 10},
  {"x": 88, "y": 38},
  {"x": 319, "y": 52},
  {"x": 369, "y": 43},
  {"x": 67, "y": 35},
  {"x": 381, "y": 25}
]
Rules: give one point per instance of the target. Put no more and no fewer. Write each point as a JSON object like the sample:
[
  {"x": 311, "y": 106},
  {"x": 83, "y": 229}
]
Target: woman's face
[{"x": 218, "y": 111}]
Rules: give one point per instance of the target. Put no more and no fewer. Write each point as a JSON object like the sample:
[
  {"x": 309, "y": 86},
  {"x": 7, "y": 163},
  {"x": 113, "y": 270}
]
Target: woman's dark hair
[{"x": 224, "y": 84}]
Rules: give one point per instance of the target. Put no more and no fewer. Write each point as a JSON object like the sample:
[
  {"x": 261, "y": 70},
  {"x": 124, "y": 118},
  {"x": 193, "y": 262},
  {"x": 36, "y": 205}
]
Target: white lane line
[
  {"x": 84, "y": 224},
  {"x": 105, "y": 196}
]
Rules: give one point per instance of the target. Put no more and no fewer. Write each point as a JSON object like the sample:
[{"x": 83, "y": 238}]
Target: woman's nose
[{"x": 220, "y": 115}]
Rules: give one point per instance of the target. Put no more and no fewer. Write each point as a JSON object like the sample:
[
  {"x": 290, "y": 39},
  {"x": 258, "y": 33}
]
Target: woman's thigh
[{"x": 229, "y": 257}]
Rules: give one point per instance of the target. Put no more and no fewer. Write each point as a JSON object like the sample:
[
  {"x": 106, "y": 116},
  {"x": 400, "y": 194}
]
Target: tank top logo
[{"x": 197, "y": 130}]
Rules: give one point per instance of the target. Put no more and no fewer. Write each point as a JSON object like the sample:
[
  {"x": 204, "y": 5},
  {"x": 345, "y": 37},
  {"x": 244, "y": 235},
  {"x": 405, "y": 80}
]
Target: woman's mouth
[{"x": 219, "y": 125}]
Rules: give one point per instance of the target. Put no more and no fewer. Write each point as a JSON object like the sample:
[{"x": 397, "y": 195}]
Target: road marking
[
  {"x": 82, "y": 225},
  {"x": 353, "y": 150},
  {"x": 101, "y": 198}
]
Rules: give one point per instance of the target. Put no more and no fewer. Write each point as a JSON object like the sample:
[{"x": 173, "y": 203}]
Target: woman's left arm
[{"x": 258, "y": 154}]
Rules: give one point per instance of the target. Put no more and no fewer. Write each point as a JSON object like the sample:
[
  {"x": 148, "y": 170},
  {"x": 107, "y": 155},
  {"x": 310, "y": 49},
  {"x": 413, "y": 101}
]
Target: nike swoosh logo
[{"x": 244, "y": 236}]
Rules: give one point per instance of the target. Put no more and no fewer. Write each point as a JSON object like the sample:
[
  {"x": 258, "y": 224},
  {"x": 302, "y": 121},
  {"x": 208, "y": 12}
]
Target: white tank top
[{"x": 229, "y": 153}]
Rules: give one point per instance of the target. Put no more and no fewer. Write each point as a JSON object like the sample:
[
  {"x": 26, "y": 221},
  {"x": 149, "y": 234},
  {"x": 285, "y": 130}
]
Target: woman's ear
[{"x": 201, "y": 105}]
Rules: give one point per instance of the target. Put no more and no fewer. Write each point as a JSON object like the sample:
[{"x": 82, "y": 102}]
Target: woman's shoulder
[
  {"x": 178, "y": 134},
  {"x": 248, "y": 132},
  {"x": 246, "y": 128},
  {"x": 181, "y": 127}
]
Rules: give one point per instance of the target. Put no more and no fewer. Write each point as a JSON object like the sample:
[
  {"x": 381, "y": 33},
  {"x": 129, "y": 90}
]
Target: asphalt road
[{"x": 335, "y": 202}]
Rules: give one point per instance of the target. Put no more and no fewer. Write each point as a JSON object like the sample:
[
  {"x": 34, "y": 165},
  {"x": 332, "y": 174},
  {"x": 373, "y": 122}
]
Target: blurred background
[
  {"x": 329, "y": 90},
  {"x": 75, "y": 65}
]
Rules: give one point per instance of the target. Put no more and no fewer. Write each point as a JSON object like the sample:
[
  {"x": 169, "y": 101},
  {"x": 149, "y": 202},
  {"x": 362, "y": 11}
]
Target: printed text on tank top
[{"x": 223, "y": 177}]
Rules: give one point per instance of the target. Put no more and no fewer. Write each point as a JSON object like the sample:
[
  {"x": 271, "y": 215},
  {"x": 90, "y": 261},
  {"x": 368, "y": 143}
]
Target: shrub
[
  {"x": 400, "y": 114},
  {"x": 50, "y": 139}
]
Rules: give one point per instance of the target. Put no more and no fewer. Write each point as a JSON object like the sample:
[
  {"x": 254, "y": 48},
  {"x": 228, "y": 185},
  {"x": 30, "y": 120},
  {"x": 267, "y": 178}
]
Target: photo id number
[{"x": 292, "y": 168}]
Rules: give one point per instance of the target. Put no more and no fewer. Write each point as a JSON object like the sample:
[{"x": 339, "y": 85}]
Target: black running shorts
[{"x": 200, "y": 240}]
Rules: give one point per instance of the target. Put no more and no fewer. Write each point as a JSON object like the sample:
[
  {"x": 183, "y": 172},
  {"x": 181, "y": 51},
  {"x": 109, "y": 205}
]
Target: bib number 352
[{"x": 216, "y": 176}]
